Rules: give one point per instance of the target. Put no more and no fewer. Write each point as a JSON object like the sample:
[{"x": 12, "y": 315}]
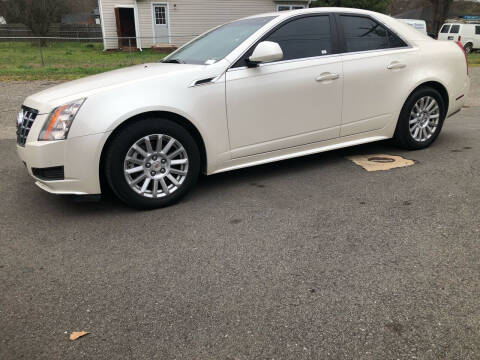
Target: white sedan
[{"x": 260, "y": 89}]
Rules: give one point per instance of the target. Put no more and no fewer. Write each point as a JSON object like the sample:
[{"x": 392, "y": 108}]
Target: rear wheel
[
  {"x": 152, "y": 163},
  {"x": 421, "y": 119}
]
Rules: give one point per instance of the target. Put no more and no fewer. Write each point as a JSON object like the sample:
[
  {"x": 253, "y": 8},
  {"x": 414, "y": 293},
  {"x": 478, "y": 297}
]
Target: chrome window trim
[
  {"x": 408, "y": 46},
  {"x": 285, "y": 61},
  {"x": 320, "y": 57}
]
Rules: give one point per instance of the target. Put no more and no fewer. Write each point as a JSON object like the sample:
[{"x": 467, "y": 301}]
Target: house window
[
  {"x": 289, "y": 7},
  {"x": 160, "y": 15}
]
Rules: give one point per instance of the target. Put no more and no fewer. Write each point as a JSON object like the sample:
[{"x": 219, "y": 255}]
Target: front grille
[
  {"x": 49, "y": 174},
  {"x": 23, "y": 128}
]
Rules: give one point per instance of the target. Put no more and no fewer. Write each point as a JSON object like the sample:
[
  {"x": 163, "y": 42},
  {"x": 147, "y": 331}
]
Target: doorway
[{"x": 125, "y": 17}]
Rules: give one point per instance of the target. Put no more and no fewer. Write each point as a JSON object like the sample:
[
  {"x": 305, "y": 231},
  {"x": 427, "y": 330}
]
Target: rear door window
[
  {"x": 455, "y": 29},
  {"x": 363, "y": 34},
  {"x": 445, "y": 29},
  {"x": 477, "y": 30}
]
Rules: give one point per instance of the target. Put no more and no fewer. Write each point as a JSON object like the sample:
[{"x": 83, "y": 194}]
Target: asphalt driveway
[{"x": 311, "y": 258}]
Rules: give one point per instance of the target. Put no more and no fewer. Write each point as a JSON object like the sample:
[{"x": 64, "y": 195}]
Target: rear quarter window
[
  {"x": 364, "y": 34},
  {"x": 477, "y": 30}
]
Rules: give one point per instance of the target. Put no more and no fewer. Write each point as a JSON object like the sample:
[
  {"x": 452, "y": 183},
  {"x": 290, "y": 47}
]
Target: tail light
[
  {"x": 459, "y": 38},
  {"x": 464, "y": 53}
]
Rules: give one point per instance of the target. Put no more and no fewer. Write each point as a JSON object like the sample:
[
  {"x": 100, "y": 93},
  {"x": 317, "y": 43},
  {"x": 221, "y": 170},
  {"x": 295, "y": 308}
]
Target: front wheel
[
  {"x": 421, "y": 119},
  {"x": 152, "y": 163}
]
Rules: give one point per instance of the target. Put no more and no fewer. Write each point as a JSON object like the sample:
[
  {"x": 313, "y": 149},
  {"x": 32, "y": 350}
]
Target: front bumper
[{"x": 79, "y": 156}]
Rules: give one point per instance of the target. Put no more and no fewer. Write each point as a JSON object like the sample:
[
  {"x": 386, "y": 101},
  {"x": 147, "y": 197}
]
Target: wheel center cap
[{"x": 156, "y": 165}]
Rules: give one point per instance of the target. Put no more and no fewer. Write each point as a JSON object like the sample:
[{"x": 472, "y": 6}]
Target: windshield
[{"x": 218, "y": 43}]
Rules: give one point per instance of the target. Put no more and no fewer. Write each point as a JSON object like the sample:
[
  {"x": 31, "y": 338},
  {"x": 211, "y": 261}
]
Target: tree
[
  {"x": 37, "y": 15},
  {"x": 440, "y": 9},
  {"x": 374, "y": 5}
]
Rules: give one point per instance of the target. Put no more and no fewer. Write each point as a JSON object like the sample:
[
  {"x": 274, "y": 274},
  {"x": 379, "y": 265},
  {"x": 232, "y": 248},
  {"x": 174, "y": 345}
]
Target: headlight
[{"x": 60, "y": 120}]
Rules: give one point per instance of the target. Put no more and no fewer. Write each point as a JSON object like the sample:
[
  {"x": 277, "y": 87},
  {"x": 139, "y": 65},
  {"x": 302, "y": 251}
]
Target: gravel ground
[
  {"x": 310, "y": 258},
  {"x": 12, "y": 95}
]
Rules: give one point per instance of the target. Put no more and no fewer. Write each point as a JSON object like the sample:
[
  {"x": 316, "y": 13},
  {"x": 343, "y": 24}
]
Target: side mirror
[{"x": 266, "y": 51}]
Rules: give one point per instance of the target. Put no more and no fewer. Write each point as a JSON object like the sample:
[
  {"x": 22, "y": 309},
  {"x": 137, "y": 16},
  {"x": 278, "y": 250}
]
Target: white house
[{"x": 153, "y": 22}]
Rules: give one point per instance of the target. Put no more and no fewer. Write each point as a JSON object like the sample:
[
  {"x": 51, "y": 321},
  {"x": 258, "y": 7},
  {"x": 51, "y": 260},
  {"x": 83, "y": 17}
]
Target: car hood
[{"x": 72, "y": 90}]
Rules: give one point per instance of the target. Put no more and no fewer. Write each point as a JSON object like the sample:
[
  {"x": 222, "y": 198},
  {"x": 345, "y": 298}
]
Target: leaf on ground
[{"x": 77, "y": 334}]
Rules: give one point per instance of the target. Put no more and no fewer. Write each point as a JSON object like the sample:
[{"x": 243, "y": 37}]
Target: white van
[
  {"x": 467, "y": 34},
  {"x": 420, "y": 25}
]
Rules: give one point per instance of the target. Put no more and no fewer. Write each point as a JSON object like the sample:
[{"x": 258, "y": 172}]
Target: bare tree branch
[{"x": 35, "y": 14}]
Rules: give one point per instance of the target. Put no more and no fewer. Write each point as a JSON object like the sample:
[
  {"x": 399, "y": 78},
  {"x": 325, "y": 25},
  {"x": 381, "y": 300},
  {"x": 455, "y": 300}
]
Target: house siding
[
  {"x": 145, "y": 19},
  {"x": 193, "y": 17},
  {"x": 188, "y": 18}
]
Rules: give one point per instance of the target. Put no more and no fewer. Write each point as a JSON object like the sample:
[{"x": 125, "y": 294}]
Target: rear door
[
  {"x": 376, "y": 70},
  {"x": 476, "y": 37}
]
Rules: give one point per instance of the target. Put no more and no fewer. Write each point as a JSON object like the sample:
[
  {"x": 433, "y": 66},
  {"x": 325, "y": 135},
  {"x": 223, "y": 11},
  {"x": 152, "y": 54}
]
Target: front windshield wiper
[{"x": 173, "y": 61}]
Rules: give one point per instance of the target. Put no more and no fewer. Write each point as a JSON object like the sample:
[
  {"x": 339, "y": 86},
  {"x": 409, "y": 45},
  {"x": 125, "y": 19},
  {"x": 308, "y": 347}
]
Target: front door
[
  {"x": 288, "y": 103},
  {"x": 160, "y": 23}
]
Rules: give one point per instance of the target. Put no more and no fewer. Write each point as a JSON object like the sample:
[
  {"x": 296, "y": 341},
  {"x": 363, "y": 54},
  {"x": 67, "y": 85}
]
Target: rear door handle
[
  {"x": 327, "y": 77},
  {"x": 396, "y": 65}
]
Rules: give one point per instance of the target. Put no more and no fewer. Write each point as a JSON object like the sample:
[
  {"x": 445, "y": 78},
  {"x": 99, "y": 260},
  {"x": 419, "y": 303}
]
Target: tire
[
  {"x": 468, "y": 48},
  {"x": 406, "y": 134},
  {"x": 170, "y": 165}
]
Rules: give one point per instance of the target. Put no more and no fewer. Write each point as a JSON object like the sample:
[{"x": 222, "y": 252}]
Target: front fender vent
[{"x": 203, "y": 81}]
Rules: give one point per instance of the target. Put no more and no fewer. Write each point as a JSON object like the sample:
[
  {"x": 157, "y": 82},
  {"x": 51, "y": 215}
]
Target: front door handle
[
  {"x": 396, "y": 66},
  {"x": 327, "y": 77}
]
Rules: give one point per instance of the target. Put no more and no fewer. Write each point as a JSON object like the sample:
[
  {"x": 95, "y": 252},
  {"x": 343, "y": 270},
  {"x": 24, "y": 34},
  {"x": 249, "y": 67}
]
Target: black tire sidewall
[
  {"x": 402, "y": 132},
  {"x": 125, "y": 138}
]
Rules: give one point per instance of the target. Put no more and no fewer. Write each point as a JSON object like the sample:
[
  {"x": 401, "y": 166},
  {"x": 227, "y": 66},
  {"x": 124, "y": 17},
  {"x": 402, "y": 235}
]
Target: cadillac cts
[{"x": 260, "y": 89}]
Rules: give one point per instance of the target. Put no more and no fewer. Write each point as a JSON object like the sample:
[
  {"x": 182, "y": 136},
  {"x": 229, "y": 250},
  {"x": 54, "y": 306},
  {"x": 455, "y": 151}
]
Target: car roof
[{"x": 317, "y": 10}]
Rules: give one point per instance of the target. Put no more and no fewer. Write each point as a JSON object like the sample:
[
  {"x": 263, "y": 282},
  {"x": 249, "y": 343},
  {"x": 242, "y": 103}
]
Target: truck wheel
[{"x": 468, "y": 48}]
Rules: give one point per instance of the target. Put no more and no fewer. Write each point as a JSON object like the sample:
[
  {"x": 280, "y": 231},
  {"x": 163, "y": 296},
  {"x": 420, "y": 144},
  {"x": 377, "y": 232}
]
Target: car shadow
[
  {"x": 209, "y": 186},
  {"x": 297, "y": 165}
]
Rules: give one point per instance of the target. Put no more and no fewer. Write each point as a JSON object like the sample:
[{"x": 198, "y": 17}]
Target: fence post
[
  {"x": 41, "y": 51},
  {"x": 130, "y": 49}
]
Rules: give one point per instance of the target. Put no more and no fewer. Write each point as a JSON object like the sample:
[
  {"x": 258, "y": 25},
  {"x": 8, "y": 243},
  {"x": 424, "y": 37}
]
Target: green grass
[
  {"x": 64, "y": 60},
  {"x": 474, "y": 59},
  {"x": 73, "y": 60}
]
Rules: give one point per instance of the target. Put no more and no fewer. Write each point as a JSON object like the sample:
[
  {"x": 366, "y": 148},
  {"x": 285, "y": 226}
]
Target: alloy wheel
[
  {"x": 156, "y": 165},
  {"x": 424, "y": 119}
]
